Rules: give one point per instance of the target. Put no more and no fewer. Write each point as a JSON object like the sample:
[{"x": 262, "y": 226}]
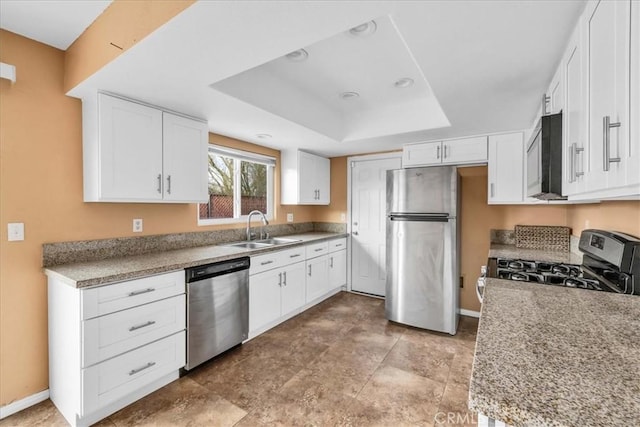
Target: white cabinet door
[
  {"x": 633, "y": 173},
  {"x": 422, "y": 154},
  {"x": 506, "y": 168},
  {"x": 185, "y": 144},
  {"x": 130, "y": 150},
  {"x": 307, "y": 177},
  {"x": 317, "y": 280},
  {"x": 555, "y": 94},
  {"x": 337, "y": 269},
  {"x": 264, "y": 298},
  {"x": 574, "y": 117},
  {"x": 323, "y": 180},
  {"x": 467, "y": 150},
  {"x": 608, "y": 67},
  {"x": 293, "y": 288}
]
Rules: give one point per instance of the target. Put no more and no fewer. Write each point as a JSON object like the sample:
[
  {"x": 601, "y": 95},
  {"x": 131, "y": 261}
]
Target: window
[{"x": 239, "y": 182}]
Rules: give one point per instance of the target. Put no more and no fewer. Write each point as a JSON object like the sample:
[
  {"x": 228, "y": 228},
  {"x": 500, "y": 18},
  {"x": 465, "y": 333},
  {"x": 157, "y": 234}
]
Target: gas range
[
  {"x": 558, "y": 274},
  {"x": 610, "y": 263}
]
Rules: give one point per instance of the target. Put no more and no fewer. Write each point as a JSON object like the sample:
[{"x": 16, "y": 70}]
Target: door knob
[{"x": 355, "y": 233}]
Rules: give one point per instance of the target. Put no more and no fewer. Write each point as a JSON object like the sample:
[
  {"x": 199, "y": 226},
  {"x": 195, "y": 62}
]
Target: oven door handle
[{"x": 480, "y": 285}]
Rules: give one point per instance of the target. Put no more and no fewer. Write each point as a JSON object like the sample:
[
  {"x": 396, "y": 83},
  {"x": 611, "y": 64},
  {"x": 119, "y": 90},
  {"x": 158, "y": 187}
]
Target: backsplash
[
  {"x": 551, "y": 238},
  {"x": 502, "y": 237},
  {"x": 91, "y": 250},
  {"x": 508, "y": 237}
]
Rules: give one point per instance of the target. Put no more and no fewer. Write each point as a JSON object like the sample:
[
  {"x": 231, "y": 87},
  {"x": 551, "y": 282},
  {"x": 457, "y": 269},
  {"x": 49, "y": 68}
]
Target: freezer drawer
[{"x": 421, "y": 270}]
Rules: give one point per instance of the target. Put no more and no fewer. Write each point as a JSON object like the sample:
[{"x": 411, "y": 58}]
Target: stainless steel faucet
[{"x": 264, "y": 222}]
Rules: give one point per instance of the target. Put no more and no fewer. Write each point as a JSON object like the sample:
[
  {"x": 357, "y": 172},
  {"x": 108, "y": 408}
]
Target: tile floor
[{"x": 339, "y": 363}]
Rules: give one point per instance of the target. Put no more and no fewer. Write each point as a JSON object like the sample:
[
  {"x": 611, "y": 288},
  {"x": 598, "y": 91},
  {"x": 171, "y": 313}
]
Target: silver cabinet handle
[
  {"x": 606, "y": 136},
  {"x": 266, "y": 262},
  {"x": 143, "y": 291},
  {"x": 168, "y": 184},
  {"x": 445, "y": 151},
  {"x": 280, "y": 279},
  {"x": 577, "y": 151},
  {"x": 318, "y": 249},
  {"x": 160, "y": 183},
  {"x": 147, "y": 366},
  {"x": 572, "y": 162},
  {"x": 318, "y": 194},
  {"x": 285, "y": 278},
  {"x": 492, "y": 190},
  {"x": 294, "y": 256},
  {"x": 144, "y": 325},
  {"x": 331, "y": 262},
  {"x": 438, "y": 152},
  {"x": 309, "y": 269},
  {"x": 338, "y": 245}
]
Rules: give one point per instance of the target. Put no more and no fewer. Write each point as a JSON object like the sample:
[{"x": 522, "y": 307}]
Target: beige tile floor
[{"x": 339, "y": 363}]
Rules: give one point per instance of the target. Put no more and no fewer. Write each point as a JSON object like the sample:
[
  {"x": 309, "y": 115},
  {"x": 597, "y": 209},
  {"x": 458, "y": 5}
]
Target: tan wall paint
[
  {"x": 621, "y": 216},
  {"x": 477, "y": 218},
  {"x": 124, "y": 23},
  {"x": 41, "y": 185}
]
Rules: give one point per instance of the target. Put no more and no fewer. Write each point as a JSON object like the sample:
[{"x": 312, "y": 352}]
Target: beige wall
[
  {"x": 623, "y": 216},
  {"x": 124, "y": 23},
  {"x": 41, "y": 185}
]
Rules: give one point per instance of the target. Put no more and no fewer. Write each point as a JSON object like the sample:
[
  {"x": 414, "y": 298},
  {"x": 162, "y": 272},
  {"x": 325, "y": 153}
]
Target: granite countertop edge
[{"x": 92, "y": 273}]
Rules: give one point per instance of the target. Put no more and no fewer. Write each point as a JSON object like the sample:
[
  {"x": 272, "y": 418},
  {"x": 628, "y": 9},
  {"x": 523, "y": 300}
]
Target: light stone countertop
[
  {"x": 111, "y": 270},
  {"x": 556, "y": 356},
  {"x": 511, "y": 251}
]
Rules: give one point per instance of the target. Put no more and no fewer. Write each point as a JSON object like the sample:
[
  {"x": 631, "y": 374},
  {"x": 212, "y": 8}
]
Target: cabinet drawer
[
  {"x": 115, "y": 378},
  {"x": 276, "y": 259},
  {"x": 116, "y": 333},
  {"x": 317, "y": 249},
  {"x": 120, "y": 296},
  {"x": 337, "y": 244}
]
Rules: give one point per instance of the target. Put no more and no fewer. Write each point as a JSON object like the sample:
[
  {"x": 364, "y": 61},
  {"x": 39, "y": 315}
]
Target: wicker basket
[{"x": 550, "y": 238}]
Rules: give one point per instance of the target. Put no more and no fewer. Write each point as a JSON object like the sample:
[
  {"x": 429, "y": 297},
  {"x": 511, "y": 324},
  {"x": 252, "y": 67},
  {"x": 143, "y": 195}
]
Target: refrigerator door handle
[{"x": 423, "y": 218}]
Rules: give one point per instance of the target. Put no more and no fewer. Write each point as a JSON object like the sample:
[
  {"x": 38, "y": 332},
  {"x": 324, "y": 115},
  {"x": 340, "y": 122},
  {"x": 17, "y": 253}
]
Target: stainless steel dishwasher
[{"x": 217, "y": 309}]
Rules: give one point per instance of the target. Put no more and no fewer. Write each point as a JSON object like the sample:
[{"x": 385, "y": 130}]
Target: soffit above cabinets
[
  {"x": 344, "y": 86},
  {"x": 478, "y": 67},
  {"x": 57, "y": 23}
]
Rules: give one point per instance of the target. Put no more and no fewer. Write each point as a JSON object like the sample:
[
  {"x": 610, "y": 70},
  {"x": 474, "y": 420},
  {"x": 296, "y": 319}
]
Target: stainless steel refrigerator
[{"x": 422, "y": 248}]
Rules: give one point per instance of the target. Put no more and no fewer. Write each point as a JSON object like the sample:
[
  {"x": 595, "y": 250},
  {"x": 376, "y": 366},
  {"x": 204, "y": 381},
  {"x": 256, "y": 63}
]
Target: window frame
[{"x": 239, "y": 156}]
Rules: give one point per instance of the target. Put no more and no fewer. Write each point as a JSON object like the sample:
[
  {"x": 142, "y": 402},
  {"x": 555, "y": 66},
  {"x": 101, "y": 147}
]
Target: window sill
[{"x": 222, "y": 221}]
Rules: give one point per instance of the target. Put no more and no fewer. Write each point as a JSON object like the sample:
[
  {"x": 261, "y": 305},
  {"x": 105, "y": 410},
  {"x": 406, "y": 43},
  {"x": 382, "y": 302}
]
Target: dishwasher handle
[{"x": 202, "y": 272}]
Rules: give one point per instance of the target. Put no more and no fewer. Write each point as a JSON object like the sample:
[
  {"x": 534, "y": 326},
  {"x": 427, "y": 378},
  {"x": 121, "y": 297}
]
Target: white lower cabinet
[
  {"x": 317, "y": 277},
  {"x": 287, "y": 282},
  {"x": 111, "y": 345},
  {"x": 338, "y": 269}
]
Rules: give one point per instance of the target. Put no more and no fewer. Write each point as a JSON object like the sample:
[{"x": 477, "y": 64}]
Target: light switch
[
  {"x": 15, "y": 230},
  {"x": 137, "y": 225},
  {"x": 289, "y": 217}
]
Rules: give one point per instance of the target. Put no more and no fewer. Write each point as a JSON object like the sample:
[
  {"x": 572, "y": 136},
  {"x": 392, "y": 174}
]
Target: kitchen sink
[
  {"x": 250, "y": 245},
  {"x": 277, "y": 241}
]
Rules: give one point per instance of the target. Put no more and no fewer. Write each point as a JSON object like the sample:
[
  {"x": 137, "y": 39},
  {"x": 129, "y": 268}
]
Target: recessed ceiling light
[
  {"x": 349, "y": 95},
  {"x": 297, "y": 55},
  {"x": 365, "y": 29},
  {"x": 403, "y": 82},
  {"x": 263, "y": 136}
]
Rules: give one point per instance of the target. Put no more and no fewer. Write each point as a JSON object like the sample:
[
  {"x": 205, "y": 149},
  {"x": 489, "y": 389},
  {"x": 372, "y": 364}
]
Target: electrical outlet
[
  {"x": 289, "y": 217},
  {"x": 15, "y": 231},
  {"x": 343, "y": 217},
  {"x": 137, "y": 225}
]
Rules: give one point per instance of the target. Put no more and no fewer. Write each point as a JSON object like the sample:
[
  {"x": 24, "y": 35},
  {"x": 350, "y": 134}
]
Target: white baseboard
[
  {"x": 21, "y": 404},
  {"x": 469, "y": 313}
]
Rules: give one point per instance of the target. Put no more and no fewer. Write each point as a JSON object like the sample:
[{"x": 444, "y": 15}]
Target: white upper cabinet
[
  {"x": 608, "y": 70},
  {"x": 574, "y": 118},
  {"x": 305, "y": 178},
  {"x": 449, "y": 152},
  {"x": 185, "y": 158},
  {"x": 506, "y": 169},
  {"x": 554, "y": 98},
  {"x": 136, "y": 153}
]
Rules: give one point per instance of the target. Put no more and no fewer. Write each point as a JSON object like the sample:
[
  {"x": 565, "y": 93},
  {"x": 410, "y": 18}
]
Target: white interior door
[{"x": 368, "y": 235}]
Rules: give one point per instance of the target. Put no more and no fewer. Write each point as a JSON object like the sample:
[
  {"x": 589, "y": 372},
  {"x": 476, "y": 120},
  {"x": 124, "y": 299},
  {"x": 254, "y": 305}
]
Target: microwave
[{"x": 544, "y": 159}]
